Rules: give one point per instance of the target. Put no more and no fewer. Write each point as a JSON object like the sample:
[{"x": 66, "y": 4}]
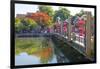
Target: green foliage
[
  {"x": 31, "y": 23},
  {"x": 24, "y": 24},
  {"x": 17, "y": 20},
  {"x": 80, "y": 13},
  {"x": 49, "y": 24},
  {"x": 18, "y": 25},
  {"x": 62, "y": 12},
  {"x": 46, "y": 9}
]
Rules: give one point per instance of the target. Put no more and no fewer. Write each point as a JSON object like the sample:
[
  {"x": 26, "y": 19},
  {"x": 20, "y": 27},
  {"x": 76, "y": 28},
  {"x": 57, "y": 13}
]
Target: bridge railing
[{"x": 79, "y": 40}]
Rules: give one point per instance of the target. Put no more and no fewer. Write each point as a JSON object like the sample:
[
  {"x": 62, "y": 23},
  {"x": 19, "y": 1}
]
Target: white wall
[{"x": 5, "y": 34}]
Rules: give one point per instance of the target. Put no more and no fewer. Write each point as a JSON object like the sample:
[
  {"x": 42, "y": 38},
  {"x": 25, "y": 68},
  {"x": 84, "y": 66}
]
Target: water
[
  {"x": 25, "y": 59},
  {"x": 40, "y": 50},
  {"x": 45, "y": 50}
]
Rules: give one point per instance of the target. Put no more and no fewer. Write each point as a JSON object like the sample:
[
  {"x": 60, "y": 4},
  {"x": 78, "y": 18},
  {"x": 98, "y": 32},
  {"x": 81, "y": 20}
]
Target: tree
[
  {"x": 17, "y": 20},
  {"x": 31, "y": 23},
  {"x": 18, "y": 26},
  {"x": 80, "y": 13},
  {"x": 46, "y": 9},
  {"x": 63, "y": 13},
  {"x": 41, "y": 18},
  {"x": 24, "y": 24}
]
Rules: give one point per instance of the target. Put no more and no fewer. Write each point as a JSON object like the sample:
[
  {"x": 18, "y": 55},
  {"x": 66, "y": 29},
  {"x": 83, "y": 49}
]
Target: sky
[{"x": 24, "y": 8}]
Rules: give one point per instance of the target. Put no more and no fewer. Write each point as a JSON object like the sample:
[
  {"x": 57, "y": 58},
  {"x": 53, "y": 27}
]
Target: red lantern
[
  {"x": 81, "y": 23},
  {"x": 81, "y": 31}
]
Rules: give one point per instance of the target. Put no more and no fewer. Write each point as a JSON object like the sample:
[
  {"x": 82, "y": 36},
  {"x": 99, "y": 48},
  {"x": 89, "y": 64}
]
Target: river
[{"x": 37, "y": 50}]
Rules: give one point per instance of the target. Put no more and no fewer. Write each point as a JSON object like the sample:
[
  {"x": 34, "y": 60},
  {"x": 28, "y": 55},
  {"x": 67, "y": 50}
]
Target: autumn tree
[
  {"x": 48, "y": 10},
  {"x": 41, "y": 18}
]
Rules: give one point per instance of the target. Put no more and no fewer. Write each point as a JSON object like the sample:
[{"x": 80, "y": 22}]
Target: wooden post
[
  {"x": 88, "y": 34},
  {"x": 61, "y": 23},
  {"x": 69, "y": 29}
]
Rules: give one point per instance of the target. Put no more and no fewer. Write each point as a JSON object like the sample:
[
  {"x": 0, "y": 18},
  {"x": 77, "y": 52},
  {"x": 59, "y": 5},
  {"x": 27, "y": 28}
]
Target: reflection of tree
[
  {"x": 40, "y": 47},
  {"x": 46, "y": 53}
]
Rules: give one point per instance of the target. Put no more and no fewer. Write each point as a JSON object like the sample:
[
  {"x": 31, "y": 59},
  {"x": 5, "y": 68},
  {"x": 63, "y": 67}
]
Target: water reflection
[
  {"x": 25, "y": 59},
  {"x": 37, "y": 50},
  {"x": 41, "y": 53}
]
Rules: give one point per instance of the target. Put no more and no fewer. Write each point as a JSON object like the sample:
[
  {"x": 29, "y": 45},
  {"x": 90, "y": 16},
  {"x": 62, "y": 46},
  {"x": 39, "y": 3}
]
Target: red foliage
[{"x": 40, "y": 17}]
